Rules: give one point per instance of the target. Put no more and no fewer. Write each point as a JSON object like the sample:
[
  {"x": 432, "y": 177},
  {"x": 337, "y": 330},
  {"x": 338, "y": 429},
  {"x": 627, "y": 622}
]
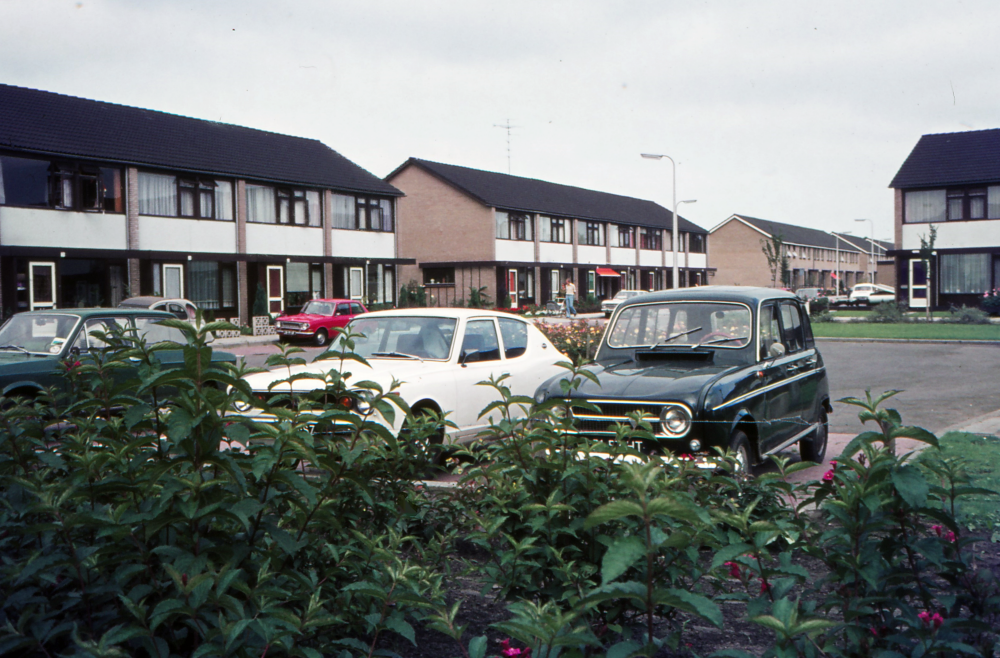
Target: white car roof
[{"x": 441, "y": 312}]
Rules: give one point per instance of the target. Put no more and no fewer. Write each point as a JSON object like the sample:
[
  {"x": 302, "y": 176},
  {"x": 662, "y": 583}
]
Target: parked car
[
  {"x": 712, "y": 367},
  {"x": 608, "y": 306},
  {"x": 807, "y": 294},
  {"x": 439, "y": 355},
  {"x": 33, "y": 343},
  {"x": 179, "y": 308},
  {"x": 318, "y": 319},
  {"x": 866, "y": 294}
]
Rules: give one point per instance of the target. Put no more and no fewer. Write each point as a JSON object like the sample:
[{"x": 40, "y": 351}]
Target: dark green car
[
  {"x": 712, "y": 367},
  {"x": 33, "y": 344}
]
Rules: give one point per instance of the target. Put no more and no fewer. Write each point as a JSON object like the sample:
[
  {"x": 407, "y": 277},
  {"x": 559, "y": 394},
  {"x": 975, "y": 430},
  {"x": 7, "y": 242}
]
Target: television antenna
[{"x": 507, "y": 126}]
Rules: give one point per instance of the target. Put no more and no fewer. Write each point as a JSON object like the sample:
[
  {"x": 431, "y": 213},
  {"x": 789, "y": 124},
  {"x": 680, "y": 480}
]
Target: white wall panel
[
  {"x": 186, "y": 235},
  {"x": 363, "y": 244},
  {"x": 284, "y": 240},
  {"x": 622, "y": 256},
  {"x": 648, "y": 258},
  {"x": 515, "y": 250},
  {"x": 700, "y": 261},
  {"x": 954, "y": 235},
  {"x": 555, "y": 252},
  {"x": 587, "y": 255},
  {"x": 37, "y": 227}
]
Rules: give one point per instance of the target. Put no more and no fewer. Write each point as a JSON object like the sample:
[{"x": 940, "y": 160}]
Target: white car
[
  {"x": 439, "y": 355},
  {"x": 866, "y": 294},
  {"x": 608, "y": 306}
]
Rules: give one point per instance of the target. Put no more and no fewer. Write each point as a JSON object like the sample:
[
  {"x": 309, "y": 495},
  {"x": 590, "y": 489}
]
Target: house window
[
  {"x": 344, "y": 212},
  {"x": 924, "y": 206},
  {"x": 514, "y": 226},
  {"x": 173, "y": 196},
  {"x": 965, "y": 273},
  {"x": 650, "y": 238},
  {"x": 696, "y": 243},
  {"x": 283, "y": 205},
  {"x": 551, "y": 229},
  {"x": 623, "y": 237},
  {"x": 64, "y": 186},
  {"x": 439, "y": 275},
  {"x": 212, "y": 285},
  {"x": 374, "y": 215},
  {"x": 967, "y": 203},
  {"x": 590, "y": 233}
]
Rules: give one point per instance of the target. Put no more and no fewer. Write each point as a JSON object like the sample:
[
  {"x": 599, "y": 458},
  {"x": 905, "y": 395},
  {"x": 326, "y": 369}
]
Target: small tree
[
  {"x": 777, "y": 259},
  {"x": 926, "y": 253},
  {"x": 478, "y": 298}
]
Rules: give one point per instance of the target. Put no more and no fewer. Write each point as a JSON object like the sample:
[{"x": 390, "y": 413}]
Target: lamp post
[
  {"x": 673, "y": 169},
  {"x": 677, "y": 205},
  {"x": 871, "y": 247},
  {"x": 837, "y": 248}
]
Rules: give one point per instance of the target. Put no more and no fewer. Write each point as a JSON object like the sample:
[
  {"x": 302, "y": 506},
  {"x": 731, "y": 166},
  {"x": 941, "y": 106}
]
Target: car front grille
[
  {"x": 295, "y": 326},
  {"x": 612, "y": 412}
]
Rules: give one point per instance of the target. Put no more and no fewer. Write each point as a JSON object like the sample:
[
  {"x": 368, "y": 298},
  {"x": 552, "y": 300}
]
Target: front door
[
  {"x": 512, "y": 287},
  {"x": 42, "y": 285},
  {"x": 918, "y": 284},
  {"x": 275, "y": 288},
  {"x": 357, "y": 283},
  {"x": 173, "y": 281}
]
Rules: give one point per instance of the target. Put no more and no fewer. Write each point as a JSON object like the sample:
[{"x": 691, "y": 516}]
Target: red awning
[{"x": 607, "y": 271}]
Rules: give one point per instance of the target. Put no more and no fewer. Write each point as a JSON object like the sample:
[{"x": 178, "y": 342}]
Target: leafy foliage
[{"x": 578, "y": 340}]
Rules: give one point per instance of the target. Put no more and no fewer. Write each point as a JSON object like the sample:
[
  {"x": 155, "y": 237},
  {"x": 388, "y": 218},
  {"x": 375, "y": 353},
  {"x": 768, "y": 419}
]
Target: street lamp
[
  {"x": 673, "y": 169},
  {"x": 677, "y": 241},
  {"x": 871, "y": 247},
  {"x": 837, "y": 248}
]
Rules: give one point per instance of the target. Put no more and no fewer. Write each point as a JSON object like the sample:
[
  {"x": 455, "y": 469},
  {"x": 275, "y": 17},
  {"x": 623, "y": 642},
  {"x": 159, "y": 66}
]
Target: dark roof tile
[
  {"x": 965, "y": 158},
  {"x": 799, "y": 235},
  {"x": 508, "y": 192},
  {"x": 45, "y": 122}
]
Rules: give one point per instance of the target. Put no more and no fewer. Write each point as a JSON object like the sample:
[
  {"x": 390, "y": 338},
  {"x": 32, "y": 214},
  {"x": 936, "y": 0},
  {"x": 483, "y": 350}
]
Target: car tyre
[
  {"x": 813, "y": 449},
  {"x": 320, "y": 338},
  {"x": 438, "y": 454},
  {"x": 739, "y": 444}
]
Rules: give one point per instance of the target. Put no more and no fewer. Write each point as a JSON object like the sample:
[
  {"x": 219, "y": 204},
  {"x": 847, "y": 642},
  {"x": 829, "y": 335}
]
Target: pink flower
[
  {"x": 925, "y": 617},
  {"x": 508, "y": 651},
  {"x": 828, "y": 476},
  {"x": 950, "y": 536},
  {"x": 937, "y": 529},
  {"x": 833, "y": 463},
  {"x": 937, "y": 620},
  {"x": 764, "y": 587},
  {"x": 734, "y": 569}
]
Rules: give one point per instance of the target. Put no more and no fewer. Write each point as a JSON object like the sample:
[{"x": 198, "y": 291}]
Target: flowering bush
[
  {"x": 577, "y": 340},
  {"x": 991, "y": 301}
]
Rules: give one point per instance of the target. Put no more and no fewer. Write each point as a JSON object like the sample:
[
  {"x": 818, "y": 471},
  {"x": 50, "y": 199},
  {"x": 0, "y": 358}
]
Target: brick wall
[{"x": 737, "y": 256}]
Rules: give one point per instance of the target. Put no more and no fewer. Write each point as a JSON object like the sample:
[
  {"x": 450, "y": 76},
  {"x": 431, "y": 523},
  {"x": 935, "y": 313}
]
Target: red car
[{"x": 318, "y": 319}]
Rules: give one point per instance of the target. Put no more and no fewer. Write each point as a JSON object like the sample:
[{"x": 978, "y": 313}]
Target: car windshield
[
  {"x": 400, "y": 337},
  {"x": 38, "y": 333},
  {"x": 624, "y": 294},
  {"x": 318, "y": 308},
  {"x": 708, "y": 324}
]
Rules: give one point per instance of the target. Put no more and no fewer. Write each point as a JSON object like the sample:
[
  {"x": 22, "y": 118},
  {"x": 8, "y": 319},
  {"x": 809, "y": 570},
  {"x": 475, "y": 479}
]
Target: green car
[{"x": 32, "y": 344}]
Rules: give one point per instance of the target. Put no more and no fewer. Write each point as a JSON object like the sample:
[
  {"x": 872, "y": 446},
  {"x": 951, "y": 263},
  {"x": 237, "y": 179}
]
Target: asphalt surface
[{"x": 942, "y": 384}]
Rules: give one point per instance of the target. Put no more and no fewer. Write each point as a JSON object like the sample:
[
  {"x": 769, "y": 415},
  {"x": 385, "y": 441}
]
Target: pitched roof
[
  {"x": 792, "y": 234},
  {"x": 48, "y": 123},
  {"x": 507, "y": 192},
  {"x": 964, "y": 158}
]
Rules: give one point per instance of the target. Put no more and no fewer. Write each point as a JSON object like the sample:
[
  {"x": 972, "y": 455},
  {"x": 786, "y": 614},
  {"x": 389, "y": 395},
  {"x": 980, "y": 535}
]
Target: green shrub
[
  {"x": 412, "y": 295},
  {"x": 887, "y": 312},
  {"x": 991, "y": 301},
  {"x": 478, "y": 298},
  {"x": 819, "y": 305},
  {"x": 578, "y": 340},
  {"x": 967, "y": 315}
]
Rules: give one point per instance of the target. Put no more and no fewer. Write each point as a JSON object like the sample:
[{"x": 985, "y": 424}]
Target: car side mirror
[
  {"x": 776, "y": 350},
  {"x": 468, "y": 356},
  {"x": 75, "y": 351}
]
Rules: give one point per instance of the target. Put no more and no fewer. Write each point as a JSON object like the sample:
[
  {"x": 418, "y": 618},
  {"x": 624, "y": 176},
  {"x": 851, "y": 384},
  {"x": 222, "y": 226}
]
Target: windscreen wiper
[
  {"x": 722, "y": 340},
  {"x": 397, "y": 355},
  {"x": 14, "y": 347},
  {"x": 670, "y": 338}
]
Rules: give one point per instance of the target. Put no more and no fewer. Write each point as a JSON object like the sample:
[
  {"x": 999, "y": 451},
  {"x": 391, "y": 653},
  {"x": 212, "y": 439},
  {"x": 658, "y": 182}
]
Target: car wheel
[
  {"x": 813, "y": 449},
  {"x": 739, "y": 444},
  {"x": 437, "y": 454},
  {"x": 320, "y": 337},
  {"x": 607, "y": 314}
]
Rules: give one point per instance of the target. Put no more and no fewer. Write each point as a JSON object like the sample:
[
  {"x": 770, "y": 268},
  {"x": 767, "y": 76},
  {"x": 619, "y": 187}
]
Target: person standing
[{"x": 570, "y": 292}]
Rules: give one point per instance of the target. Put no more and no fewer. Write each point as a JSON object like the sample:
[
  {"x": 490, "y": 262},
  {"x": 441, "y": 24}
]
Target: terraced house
[
  {"x": 813, "y": 255},
  {"x": 520, "y": 238},
  {"x": 950, "y": 181},
  {"x": 100, "y": 201}
]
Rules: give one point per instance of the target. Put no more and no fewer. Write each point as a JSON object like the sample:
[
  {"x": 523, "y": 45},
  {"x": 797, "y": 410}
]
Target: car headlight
[
  {"x": 241, "y": 406},
  {"x": 675, "y": 420},
  {"x": 541, "y": 396}
]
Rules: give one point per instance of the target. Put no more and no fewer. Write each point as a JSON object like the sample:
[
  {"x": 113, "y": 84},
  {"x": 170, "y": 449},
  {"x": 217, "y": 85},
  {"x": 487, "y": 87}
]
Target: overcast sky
[{"x": 794, "y": 111}]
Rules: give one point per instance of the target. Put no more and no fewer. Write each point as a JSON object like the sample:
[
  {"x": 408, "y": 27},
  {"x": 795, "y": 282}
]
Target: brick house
[
  {"x": 100, "y": 201},
  {"x": 950, "y": 181},
  {"x": 520, "y": 238},
  {"x": 739, "y": 259}
]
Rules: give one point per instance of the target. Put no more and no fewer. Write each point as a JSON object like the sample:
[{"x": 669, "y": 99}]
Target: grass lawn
[
  {"x": 980, "y": 457},
  {"x": 864, "y": 313},
  {"x": 907, "y": 330}
]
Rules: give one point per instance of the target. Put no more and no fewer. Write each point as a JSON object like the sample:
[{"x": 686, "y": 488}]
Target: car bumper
[{"x": 294, "y": 332}]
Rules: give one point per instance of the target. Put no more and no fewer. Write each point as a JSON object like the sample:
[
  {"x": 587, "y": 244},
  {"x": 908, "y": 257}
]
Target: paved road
[{"x": 943, "y": 384}]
